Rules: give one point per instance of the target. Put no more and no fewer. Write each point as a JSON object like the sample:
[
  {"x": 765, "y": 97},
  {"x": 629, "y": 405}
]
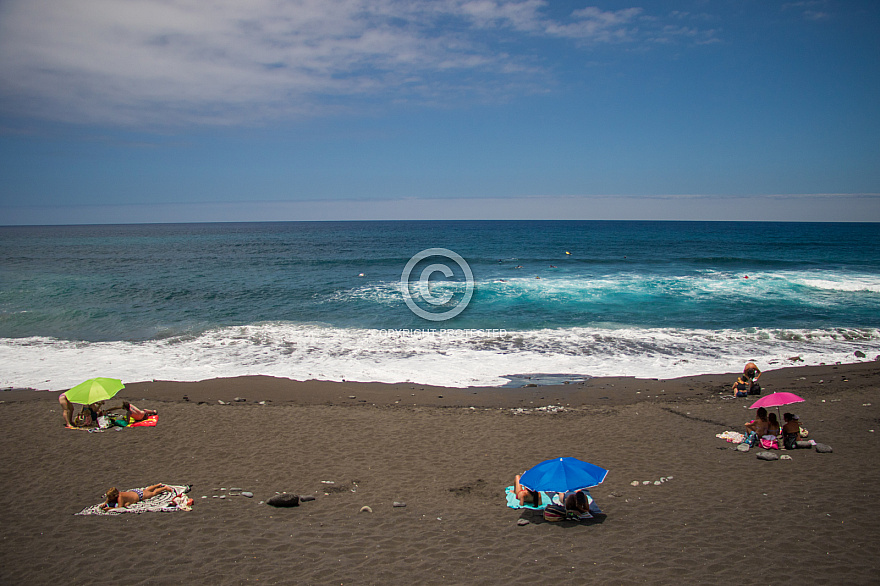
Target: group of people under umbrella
[
  {"x": 766, "y": 431},
  {"x": 560, "y": 486},
  {"x": 91, "y": 395}
]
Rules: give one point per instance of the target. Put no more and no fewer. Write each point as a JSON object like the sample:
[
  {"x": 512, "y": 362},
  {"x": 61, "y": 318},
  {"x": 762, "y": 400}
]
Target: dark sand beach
[{"x": 722, "y": 517}]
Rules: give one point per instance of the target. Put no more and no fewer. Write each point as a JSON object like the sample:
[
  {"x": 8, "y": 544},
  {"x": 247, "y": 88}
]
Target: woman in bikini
[
  {"x": 133, "y": 413},
  {"x": 791, "y": 431},
  {"x": 117, "y": 498},
  {"x": 757, "y": 428},
  {"x": 524, "y": 494}
]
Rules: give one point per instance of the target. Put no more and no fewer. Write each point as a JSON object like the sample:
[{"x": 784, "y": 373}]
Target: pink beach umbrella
[{"x": 777, "y": 399}]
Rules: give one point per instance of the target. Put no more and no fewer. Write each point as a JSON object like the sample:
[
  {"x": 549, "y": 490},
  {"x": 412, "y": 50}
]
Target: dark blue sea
[{"x": 326, "y": 300}]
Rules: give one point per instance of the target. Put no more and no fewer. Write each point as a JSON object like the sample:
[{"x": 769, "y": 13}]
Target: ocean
[{"x": 325, "y": 300}]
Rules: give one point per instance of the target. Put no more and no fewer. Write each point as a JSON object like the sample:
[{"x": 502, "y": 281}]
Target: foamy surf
[{"x": 456, "y": 358}]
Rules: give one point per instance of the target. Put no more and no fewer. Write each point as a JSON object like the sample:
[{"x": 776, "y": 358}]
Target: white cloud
[{"x": 182, "y": 62}]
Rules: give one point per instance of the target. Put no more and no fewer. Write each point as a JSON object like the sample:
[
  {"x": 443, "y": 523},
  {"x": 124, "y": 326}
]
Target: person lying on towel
[{"x": 117, "y": 498}]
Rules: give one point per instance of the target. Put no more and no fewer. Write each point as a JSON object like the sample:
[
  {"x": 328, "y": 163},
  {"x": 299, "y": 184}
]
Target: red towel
[{"x": 148, "y": 422}]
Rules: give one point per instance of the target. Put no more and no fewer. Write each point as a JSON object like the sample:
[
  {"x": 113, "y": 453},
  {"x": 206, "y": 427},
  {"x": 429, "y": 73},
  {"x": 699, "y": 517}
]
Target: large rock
[
  {"x": 743, "y": 447},
  {"x": 767, "y": 456},
  {"x": 284, "y": 500},
  {"x": 823, "y": 448}
]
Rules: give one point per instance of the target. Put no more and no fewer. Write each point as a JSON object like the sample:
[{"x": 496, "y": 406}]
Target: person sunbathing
[
  {"x": 791, "y": 431},
  {"x": 524, "y": 494},
  {"x": 757, "y": 428},
  {"x": 741, "y": 387},
  {"x": 117, "y": 498},
  {"x": 773, "y": 425},
  {"x": 133, "y": 413},
  {"x": 577, "y": 504}
]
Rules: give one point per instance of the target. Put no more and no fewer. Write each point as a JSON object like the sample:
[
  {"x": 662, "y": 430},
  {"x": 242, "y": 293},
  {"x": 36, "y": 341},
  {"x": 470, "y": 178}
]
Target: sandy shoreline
[{"x": 448, "y": 454}]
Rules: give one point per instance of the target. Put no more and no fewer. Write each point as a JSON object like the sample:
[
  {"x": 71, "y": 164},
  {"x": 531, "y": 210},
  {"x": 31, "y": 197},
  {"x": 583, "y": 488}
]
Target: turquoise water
[{"x": 588, "y": 294}]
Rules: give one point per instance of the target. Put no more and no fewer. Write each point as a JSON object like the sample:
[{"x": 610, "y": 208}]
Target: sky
[{"x": 128, "y": 111}]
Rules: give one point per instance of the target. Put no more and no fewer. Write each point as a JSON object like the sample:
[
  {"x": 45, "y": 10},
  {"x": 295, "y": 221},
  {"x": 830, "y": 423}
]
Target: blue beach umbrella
[{"x": 562, "y": 475}]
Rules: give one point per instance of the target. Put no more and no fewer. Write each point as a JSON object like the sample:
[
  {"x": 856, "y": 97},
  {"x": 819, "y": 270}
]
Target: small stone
[
  {"x": 397, "y": 504},
  {"x": 824, "y": 448},
  {"x": 284, "y": 500},
  {"x": 669, "y": 478},
  {"x": 859, "y": 354},
  {"x": 352, "y": 396},
  {"x": 204, "y": 497},
  {"x": 743, "y": 447},
  {"x": 769, "y": 456},
  {"x": 239, "y": 399},
  {"x": 785, "y": 457},
  {"x": 646, "y": 482},
  {"x": 248, "y": 494},
  {"x": 634, "y": 483},
  {"x": 366, "y": 509},
  {"x": 221, "y": 402},
  {"x": 223, "y": 496},
  {"x": 657, "y": 483},
  {"x": 522, "y": 522},
  {"x": 234, "y": 490},
  {"x": 306, "y": 497}
]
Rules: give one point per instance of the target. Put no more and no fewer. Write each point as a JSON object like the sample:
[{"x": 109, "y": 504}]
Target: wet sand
[{"x": 448, "y": 454}]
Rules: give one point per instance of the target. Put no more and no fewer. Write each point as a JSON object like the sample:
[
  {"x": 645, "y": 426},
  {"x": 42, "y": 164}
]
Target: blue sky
[{"x": 190, "y": 110}]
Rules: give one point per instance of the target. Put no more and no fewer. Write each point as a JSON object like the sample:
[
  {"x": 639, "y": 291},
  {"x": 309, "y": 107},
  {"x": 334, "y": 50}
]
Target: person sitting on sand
[
  {"x": 791, "y": 431},
  {"x": 753, "y": 373},
  {"x": 577, "y": 503},
  {"x": 117, "y": 498},
  {"x": 88, "y": 416},
  {"x": 757, "y": 428},
  {"x": 741, "y": 387},
  {"x": 524, "y": 494},
  {"x": 773, "y": 425}
]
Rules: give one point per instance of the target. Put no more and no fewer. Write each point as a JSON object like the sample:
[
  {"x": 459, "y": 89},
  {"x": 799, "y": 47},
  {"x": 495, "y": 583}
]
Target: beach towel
[
  {"x": 733, "y": 437},
  {"x": 161, "y": 503},
  {"x": 546, "y": 499},
  {"x": 150, "y": 421}
]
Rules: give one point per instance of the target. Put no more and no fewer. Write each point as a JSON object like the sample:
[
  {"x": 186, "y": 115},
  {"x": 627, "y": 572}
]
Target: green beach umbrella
[{"x": 94, "y": 390}]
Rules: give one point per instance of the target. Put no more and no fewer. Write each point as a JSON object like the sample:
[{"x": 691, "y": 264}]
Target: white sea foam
[{"x": 450, "y": 358}]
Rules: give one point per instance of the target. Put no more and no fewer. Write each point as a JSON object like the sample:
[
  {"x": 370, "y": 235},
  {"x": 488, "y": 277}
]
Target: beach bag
[
  {"x": 104, "y": 422},
  {"x": 755, "y": 389},
  {"x": 769, "y": 444},
  {"x": 554, "y": 513}
]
